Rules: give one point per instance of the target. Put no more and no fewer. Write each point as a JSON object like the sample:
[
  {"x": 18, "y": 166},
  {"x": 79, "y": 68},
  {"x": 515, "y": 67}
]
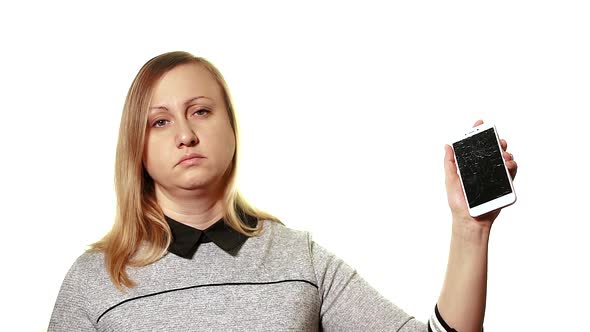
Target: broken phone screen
[{"x": 482, "y": 168}]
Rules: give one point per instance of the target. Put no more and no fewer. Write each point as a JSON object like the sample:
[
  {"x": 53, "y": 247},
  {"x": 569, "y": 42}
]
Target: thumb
[{"x": 450, "y": 166}]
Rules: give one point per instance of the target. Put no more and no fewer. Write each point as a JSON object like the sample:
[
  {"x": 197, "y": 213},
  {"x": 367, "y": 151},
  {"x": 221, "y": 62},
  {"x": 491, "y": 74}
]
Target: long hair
[{"x": 140, "y": 235}]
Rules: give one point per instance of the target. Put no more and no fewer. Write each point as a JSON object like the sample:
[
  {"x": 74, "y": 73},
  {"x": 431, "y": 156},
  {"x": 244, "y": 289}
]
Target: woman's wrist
[{"x": 470, "y": 231}]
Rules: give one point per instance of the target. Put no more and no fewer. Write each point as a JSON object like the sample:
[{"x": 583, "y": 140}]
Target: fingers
[
  {"x": 512, "y": 168},
  {"x": 510, "y": 163},
  {"x": 507, "y": 156},
  {"x": 503, "y": 144},
  {"x": 477, "y": 123}
]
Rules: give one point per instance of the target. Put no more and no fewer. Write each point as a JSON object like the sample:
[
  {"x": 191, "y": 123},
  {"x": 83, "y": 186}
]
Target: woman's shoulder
[
  {"x": 88, "y": 264},
  {"x": 279, "y": 228},
  {"x": 273, "y": 230}
]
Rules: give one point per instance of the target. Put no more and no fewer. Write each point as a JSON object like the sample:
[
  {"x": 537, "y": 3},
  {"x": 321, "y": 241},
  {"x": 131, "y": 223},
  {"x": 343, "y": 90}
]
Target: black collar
[{"x": 186, "y": 239}]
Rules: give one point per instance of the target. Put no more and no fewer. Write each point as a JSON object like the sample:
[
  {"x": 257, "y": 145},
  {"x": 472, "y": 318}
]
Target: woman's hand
[
  {"x": 456, "y": 199},
  {"x": 462, "y": 299}
]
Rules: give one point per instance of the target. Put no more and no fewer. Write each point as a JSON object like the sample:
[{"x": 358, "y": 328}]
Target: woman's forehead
[{"x": 185, "y": 82}]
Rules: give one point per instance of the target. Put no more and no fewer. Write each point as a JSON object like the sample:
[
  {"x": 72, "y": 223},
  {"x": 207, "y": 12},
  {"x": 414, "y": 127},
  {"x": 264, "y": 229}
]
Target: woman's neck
[{"x": 196, "y": 209}]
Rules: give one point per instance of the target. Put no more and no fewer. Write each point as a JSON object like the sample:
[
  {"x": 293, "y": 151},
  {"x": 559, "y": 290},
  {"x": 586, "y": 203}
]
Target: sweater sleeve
[
  {"x": 69, "y": 312},
  {"x": 349, "y": 303}
]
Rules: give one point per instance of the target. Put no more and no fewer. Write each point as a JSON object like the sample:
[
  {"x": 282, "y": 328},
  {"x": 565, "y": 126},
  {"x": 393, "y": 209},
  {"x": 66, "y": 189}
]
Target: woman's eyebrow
[{"x": 185, "y": 103}]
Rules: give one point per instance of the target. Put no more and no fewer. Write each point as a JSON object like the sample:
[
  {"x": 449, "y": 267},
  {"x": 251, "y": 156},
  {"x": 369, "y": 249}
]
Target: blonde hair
[{"x": 140, "y": 235}]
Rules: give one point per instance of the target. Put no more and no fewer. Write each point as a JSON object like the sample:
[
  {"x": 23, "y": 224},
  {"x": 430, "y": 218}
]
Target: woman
[{"x": 187, "y": 252}]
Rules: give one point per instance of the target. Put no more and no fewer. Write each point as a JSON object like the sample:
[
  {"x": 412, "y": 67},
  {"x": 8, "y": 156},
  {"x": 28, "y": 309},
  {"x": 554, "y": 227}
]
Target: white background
[{"x": 345, "y": 108}]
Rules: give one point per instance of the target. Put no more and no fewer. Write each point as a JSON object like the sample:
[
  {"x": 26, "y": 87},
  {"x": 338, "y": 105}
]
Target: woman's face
[{"x": 188, "y": 115}]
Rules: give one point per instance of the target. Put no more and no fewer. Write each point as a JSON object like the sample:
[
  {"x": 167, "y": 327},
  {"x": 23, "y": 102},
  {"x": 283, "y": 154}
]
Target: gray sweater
[{"x": 278, "y": 281}]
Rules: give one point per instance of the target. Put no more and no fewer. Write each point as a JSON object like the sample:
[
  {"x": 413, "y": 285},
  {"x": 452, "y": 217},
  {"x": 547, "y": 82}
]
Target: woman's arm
[{"x": 462, "y": 299}]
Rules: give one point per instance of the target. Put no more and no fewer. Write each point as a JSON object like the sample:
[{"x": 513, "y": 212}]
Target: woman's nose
[{"x": 186, "y": 136}]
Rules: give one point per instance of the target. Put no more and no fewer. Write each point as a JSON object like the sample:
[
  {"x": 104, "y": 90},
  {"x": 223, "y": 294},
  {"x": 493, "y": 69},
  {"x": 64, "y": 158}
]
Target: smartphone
[{"x": 486, "y": 183}]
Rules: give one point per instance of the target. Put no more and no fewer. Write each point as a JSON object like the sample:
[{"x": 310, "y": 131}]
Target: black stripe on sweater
[{"x": 206, "y": 285}]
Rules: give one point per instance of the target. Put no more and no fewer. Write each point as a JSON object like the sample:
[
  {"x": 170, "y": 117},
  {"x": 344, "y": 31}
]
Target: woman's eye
[
  {"x": 203, "y": 112},
  {"x": 158, "y": 123}
]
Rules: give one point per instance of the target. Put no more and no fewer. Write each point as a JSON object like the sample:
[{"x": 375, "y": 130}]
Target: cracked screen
[{"x": 482, "y": 169}]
